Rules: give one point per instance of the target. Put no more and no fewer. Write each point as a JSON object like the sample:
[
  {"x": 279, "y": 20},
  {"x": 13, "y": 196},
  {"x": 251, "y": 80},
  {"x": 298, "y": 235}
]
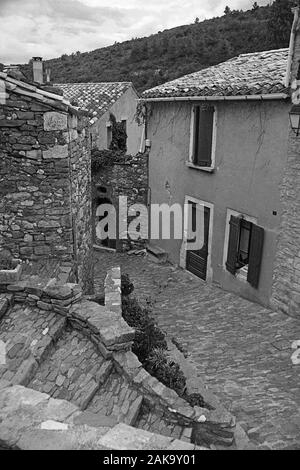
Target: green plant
[
  {"x": 195, "y": 399},
  {"x": 127, "y": 286},
  {"x": 167, "y": 372},
  {"x": 147, "y": 335},
  {"x": 150, "y": 345},
  {"x": 105, "y": 158},
  {"x": 6, "y": 260},
  {"x": 6, "y": 264},
  {"x": 119, "y": 135}
]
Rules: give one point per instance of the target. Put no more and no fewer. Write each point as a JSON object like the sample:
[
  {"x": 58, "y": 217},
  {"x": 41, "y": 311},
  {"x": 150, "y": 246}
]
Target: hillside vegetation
[{"x": 161, "y": 57}]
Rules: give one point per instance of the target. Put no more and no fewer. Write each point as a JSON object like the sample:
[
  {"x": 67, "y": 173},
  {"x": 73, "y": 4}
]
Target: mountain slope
[{"x": 161, "y": 57}]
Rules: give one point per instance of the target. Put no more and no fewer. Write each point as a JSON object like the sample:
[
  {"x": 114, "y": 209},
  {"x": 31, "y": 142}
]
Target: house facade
[
  {"x": 102, "y": 100},
  {"x": 219, "y": 137}
]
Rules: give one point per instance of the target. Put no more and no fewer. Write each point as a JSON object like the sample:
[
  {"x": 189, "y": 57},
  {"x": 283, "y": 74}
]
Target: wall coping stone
[{"x": 31, "y": 420}]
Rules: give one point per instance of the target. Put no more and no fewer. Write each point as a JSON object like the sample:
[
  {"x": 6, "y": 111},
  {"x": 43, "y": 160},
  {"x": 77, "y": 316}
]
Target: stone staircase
[
  {"x": 117, "y": 401},
  {"x": 156, "y": 254}
]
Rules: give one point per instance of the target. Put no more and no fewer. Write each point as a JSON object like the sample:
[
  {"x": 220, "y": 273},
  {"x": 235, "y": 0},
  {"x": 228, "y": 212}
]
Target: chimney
[
  {"x": 48, "y": 75},
  {"x": 37, "y": 67}
]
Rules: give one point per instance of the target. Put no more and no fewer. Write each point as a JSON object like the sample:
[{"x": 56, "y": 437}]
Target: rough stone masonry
[
  {"x": 286, "y": 275},
  {"x": 45, "y": 182}
]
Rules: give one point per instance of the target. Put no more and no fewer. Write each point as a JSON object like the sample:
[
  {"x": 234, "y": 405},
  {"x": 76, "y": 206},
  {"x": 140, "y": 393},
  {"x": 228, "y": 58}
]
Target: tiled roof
[
  {"x": 97, "y": 98},
  {"x": 258, "y": 73},
  {"x": 47, "y": 95}
]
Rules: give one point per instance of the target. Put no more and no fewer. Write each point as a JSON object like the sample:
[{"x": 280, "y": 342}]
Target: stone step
[
  {"x": 133, "y": 411},
  {"x": 157, "y": 254}
]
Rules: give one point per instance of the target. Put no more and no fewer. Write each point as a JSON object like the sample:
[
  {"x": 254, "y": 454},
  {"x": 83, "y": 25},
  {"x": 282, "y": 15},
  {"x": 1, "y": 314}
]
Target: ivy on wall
[
  {"x": 119, "y": 135},
  {"x": 105, "y": 158}
]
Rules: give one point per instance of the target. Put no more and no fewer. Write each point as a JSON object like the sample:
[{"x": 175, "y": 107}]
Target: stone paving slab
[
  {"x": 151, "y": 421},
  {"x": 73, "y": 370},
  {"x": 240, "y": 349},
  {"x": 28, "y": 334},
  {"x": 115, "y": 399}
]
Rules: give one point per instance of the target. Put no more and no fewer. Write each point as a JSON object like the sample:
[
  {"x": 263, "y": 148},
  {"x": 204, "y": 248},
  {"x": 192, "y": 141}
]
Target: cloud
[{"x": 51, "y": 28}]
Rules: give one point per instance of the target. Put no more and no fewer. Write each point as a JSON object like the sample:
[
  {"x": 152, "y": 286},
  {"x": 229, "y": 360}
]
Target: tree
[
  {"x": 280, "y": 22},
  {"x": 227, "y": 10},
  {"x": 197, "y": 20},
  {"x": 255, "y": 6}
]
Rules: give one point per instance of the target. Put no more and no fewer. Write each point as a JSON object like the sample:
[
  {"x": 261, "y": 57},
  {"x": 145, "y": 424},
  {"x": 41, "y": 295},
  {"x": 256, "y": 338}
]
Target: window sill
[{"x": 208, "y": 169}]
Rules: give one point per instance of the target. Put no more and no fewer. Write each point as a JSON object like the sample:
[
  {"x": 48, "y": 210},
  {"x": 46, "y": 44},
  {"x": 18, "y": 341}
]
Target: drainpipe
[{"x": 291, "y": 47}]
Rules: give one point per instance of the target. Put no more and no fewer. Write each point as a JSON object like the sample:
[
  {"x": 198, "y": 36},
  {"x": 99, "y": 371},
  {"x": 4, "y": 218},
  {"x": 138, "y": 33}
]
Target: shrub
[
  {"x": 148, "y": 336},
  {"x": 126, "y": 285},
  {"x": 6, "y": 260},
  {"x": 167, "y": 372},
  {"x": 105, "y": 158}
]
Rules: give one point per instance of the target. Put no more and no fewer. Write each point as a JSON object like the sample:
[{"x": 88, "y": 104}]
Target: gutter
[
  {"x": 291, "y": 46},
  {"x": 274, "y": 96}
]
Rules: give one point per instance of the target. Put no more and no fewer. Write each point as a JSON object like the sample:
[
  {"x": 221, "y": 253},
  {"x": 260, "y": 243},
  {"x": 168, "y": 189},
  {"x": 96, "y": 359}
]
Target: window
[
  {"x": 244, "y": 243},
  {"x": 109, "y": 136},
  {"x": 203, "y": 136},
  {"x": 245, "y": 248}
]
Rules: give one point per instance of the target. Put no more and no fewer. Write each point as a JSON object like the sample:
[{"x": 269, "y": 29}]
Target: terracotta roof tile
[
  {"x": 248, "y": 74},
  {"x": 97, "y": 98}
]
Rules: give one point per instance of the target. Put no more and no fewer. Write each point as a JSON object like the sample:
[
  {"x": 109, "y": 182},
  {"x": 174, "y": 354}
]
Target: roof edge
[{"x": 264, "y": 97}]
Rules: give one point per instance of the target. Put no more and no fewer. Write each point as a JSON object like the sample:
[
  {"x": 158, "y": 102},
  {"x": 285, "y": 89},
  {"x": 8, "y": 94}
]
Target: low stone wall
[
  {"x": 106, "y": 328},
  {"x": 46, "y": 295},
  {"x": 30, "y": 420}
]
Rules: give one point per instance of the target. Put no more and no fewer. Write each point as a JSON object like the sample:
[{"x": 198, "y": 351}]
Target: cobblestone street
[{"x": 241, "y": 350}]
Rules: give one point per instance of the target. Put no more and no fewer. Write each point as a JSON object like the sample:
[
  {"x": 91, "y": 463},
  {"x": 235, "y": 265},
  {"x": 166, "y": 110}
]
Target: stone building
[
  {"x": 45, "y": 177},
  {"x": 286, "y": 285},
  {"x": 219, "y": 140},
  {"x": 102, "y": 100}
]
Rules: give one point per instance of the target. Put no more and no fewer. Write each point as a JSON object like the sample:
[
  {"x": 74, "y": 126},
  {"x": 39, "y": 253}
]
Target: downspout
[{"x": 291, "y": 46}]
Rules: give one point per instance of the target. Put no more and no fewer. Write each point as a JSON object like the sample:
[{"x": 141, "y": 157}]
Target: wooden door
[{"x": 196, "y": 261}]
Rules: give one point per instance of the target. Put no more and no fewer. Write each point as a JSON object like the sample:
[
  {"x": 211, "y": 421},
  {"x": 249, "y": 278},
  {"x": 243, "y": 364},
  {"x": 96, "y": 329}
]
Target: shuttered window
[
  {"x": 255, "y": 255},
  {"x": 203, "y": 135},
  {"x": 245, "y": 248},
  {"x": 233, "y": 244}
]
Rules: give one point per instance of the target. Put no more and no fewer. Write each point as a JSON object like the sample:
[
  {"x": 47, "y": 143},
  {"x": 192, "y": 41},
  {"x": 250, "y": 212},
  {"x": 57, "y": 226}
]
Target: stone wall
[
  {"x": 128, "y": 177},
  {"x": 80, "y": 160},
  {"x": 45, "y": 203},
  {"x": 286, "y": 275},
  {"x": 30, "y": 420},
  {"x": 107, "y": 330}
]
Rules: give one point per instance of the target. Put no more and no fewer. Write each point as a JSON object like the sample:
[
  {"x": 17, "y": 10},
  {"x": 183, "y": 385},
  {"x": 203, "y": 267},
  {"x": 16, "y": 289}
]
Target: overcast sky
[{"x": 50, "y": 28}]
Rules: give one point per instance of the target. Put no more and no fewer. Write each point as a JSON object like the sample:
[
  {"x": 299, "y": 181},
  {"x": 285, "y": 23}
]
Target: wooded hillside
[{"x": 172, "y": 53}]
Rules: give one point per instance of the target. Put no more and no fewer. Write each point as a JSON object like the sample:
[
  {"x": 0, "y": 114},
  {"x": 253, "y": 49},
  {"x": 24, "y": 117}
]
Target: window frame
[
  {"x": 252, "y": 274},
  {"x": 246, "y": 218},
  {"x": 190, "y": 162}
]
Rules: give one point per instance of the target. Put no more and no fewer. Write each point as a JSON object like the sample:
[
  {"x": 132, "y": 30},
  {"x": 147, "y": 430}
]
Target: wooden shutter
[
  {"x": 255, "y": 255},
  {"x": 204, "y": 124},
  {"x": 233, "y": 243}
]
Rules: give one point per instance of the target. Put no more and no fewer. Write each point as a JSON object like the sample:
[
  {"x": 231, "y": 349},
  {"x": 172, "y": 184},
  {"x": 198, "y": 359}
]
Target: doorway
[{"x": 198, "y": 261}]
